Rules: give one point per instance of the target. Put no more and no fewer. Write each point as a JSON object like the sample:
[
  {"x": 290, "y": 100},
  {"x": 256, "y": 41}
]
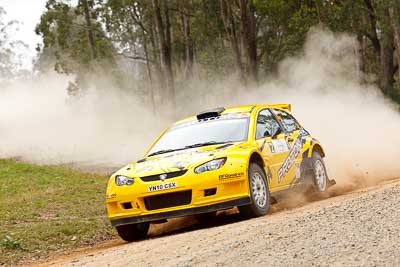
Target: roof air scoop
[{"x": 211, "y": 113}]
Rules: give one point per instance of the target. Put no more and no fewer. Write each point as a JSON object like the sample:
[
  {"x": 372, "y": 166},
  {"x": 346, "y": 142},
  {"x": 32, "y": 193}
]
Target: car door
[
  {"x": 290, "y": 171},
  {"x": 271, "y": 141}
]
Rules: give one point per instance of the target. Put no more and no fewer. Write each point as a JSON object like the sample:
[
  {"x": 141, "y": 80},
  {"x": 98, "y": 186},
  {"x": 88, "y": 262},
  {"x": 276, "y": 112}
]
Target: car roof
[{"x": 241, "y": 109}]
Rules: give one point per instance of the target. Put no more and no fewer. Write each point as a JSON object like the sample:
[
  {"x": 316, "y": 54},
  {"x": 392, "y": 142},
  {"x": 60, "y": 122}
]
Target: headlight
[
  {"x": 210, "y": 166},
  {"x": 121, "y": 180}
]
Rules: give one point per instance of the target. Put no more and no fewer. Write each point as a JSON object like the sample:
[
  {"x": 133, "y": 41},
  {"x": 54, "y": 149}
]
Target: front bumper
[
  {"x": 192, "y": 194},
  {"x": 182, "y": 212}
]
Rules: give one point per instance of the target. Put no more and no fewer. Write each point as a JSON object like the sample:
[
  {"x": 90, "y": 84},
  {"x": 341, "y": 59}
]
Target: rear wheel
[
  {"x": 133, "y": 232},
  {"x": 320, "y": 177},
  {"x": 259, "y": 193}
]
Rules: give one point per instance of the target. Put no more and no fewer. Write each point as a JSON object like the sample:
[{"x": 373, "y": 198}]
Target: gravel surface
[{"x": 357, "y": 229}]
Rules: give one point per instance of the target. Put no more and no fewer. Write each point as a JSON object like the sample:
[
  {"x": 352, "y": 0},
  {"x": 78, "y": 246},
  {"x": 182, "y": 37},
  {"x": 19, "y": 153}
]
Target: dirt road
[{"x": 360, "y": 228}]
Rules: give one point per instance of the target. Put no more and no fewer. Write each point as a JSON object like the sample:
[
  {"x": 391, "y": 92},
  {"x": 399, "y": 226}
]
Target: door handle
[{"x": 290, "y": 139}]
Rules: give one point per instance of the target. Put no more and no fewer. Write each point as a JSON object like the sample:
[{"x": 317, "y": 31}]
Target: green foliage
[
  {"x": 64, "y": 33},
  {"x": 9, "y": 242},
  {"x": 125, "y": 31},
  {"x": 283, "y": 28}
]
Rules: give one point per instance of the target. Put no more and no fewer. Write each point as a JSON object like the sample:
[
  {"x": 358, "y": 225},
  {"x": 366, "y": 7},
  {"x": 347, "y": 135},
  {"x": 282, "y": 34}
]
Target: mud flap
[{"x": 306, "y": 171}]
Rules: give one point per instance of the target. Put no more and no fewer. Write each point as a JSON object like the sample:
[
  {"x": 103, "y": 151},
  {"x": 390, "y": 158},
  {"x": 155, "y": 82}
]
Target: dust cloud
[
  {"x": 40, "y": 122},
  {"x": 358, "y": 127}
]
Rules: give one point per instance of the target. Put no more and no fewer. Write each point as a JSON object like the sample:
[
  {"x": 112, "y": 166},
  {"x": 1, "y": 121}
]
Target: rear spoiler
[{"x": 287, "y": 107}]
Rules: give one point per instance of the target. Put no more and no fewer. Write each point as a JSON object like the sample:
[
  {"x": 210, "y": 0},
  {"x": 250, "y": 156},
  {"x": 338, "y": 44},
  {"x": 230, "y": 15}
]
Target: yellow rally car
[{"x": 216, "y": 160}]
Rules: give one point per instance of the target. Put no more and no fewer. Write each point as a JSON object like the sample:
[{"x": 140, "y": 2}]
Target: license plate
[{"x": 160, "y": 187}]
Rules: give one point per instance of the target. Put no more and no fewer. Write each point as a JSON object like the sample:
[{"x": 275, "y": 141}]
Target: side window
[
  {"x": 289, "y": 123},
  {"x": 266, "y": 124}
]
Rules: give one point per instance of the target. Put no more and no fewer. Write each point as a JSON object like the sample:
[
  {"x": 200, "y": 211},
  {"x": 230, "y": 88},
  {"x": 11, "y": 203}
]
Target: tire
[
  {"x": 259, "y": 193},
  {"x": 319, "y": 174},
  {"x": 133, "y": 232}
]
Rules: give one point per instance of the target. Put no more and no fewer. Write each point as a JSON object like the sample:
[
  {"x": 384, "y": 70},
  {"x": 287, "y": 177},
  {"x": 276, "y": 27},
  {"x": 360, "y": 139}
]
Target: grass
[{"x": 48, "y": 208}]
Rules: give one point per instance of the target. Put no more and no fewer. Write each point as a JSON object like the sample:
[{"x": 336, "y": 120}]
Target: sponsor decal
[
  {"x": 288, "y": 163},
  {"x": 231, "y": 175},
  {"x": 278, "y": 146},
  {"x": 159, "y": 187}
]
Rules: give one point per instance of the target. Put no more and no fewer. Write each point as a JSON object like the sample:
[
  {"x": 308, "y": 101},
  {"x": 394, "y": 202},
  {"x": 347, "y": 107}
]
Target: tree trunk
[
  {"x": 394, "y": 19},
  {"x": 156, "y": 52},
  {"x": 383, "y": 47},
  {"x": 229, "y": 24},
  {"x": 150, "y": 76},
  {"x": 360, "y": 50},
  {"x": 386, "y": 62},
  {"x": 248, "y": 24},
  {"x": 89, "y": 31},
  {"x": 373, "y": 24},
  {"x": 386, "y": 59},
  {"x": 189, "y": 54},
  {"x": 164, "y": 40}
]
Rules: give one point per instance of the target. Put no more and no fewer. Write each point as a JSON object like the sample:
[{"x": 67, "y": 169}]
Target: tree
[
  {"x": 163, "y": 32},
  {"x": 185, "y": 9},
  {"x": 75, "y": 41},
  {"x": 10, "y": 62},
  {"x": 168, "y": 43},
  {"x": 64, "y": 34},
  {"x": 379, "y": 22},
  {"x": 130, "y": 25},
  {"x": 84, "y": 5},
  {"x": 248, "y": 33},
  {"x": 394, "y": 19},
  {"x": 231, "y": 31}
]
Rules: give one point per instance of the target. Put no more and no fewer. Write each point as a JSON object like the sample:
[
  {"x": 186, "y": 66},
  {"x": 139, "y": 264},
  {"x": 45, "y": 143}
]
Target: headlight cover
[
  {"x": 210, "y": 165},
  {"x": 121, "y": 180}
]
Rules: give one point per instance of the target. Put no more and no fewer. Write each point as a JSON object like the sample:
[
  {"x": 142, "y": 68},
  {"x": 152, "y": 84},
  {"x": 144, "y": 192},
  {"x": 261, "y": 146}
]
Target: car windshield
[{"x": 201, "y": 133}]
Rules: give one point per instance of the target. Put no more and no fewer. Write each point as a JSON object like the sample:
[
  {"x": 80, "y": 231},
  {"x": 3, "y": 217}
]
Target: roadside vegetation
[{"x": 48, "y": 208}]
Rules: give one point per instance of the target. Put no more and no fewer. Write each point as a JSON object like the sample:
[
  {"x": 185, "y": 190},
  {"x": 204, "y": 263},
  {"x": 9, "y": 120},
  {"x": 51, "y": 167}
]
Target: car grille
[
  {"x": 168, "y": 200},
  {"x": 156, "y": 177}
]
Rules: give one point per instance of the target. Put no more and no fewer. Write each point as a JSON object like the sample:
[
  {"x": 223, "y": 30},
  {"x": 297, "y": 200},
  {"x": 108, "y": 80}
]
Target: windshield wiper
[
  {"x": 205, "y": 144},
  {"x": 186, "y": 147},
  {"x": 163, "y": 151}
]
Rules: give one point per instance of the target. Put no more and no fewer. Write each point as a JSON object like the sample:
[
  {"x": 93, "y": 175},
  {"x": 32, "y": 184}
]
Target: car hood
[{"x": 176, "y": 161}]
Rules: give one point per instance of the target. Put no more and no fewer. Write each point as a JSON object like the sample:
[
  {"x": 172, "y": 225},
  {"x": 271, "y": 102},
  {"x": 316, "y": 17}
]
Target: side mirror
[{"x": 276, "y": 132}]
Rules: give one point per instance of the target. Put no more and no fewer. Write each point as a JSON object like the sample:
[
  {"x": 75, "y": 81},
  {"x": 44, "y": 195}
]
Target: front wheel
[
  {"x": 133, "y": 232},
  {"x": 259, "y": 193}
]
